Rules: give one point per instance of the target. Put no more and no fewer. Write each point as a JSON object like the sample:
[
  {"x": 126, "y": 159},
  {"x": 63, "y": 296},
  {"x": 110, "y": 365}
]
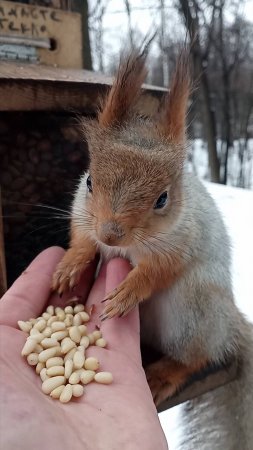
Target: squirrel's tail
[{"x": 222, "y": 419}]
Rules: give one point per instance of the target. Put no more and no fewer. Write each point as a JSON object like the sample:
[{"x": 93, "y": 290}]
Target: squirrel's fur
[
  {"x": 125, "y": 90},
  {"x": 180, "y": 254}
]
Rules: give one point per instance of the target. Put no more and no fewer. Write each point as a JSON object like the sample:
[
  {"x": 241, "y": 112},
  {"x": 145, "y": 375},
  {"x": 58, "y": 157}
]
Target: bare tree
[
  {"x": 96, "y": 18},
  {"x": 230, "y": 71},
  {"x": 163, "y": 50},
  {"x": 230, "y": 58},
  {"x": 129, "y": 18},
  {"x": 192, "y": 24}
]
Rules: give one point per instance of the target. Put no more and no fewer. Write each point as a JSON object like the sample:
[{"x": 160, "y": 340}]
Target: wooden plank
[
  {"x": 83, "y": 98},
  {"x": 3, "y": 279},
  {"x": 201, "y": 386},
  {"x": 28, "y": 72},
  {"x": 62, "y": 28},
  {"x": 38, "y": 88}
]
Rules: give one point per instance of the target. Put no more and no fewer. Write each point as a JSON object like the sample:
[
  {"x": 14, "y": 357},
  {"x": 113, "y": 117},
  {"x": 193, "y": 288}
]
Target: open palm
[{"x": 119, "y": 416}]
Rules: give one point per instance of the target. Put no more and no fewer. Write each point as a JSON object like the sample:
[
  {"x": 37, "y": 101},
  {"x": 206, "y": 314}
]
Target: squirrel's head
[{"x": 134, "y": 179}]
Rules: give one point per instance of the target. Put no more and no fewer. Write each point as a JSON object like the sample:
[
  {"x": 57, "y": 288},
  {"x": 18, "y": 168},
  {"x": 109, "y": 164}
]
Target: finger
[
  {"x": 121, "y": 333},
  {"x": 80, "y": 292},
  {"x": 96, "y": 294},
  {"x": 28, "y": 295}
]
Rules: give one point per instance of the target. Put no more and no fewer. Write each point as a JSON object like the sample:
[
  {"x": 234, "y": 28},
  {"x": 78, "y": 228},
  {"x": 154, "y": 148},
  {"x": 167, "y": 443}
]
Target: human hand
[{"x": 121, "y": 415}]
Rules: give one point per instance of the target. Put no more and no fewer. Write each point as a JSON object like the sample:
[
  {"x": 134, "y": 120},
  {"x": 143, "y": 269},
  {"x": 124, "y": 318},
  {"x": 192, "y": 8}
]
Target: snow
[{"x": 236, "y": 206}]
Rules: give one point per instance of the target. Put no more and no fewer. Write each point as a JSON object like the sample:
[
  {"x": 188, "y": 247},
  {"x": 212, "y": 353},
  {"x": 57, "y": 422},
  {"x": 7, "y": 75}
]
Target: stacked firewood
[{"x": 42, "y": 157}]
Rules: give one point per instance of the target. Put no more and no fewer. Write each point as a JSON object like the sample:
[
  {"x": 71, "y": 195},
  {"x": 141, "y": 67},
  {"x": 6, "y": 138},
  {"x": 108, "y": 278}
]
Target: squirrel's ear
[
  {"x": 172, "y": 119},
  {"x": 125, "y": 90}
]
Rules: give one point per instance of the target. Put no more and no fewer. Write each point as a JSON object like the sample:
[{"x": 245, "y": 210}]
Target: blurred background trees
[{"x": 221, "y": 41}]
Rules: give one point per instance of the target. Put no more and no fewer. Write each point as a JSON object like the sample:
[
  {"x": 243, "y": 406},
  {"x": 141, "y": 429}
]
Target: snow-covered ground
[{"x": 236, "y": 206}]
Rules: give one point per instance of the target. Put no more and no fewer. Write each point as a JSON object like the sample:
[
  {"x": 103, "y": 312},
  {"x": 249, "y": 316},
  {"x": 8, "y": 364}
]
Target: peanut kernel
[
  {"x": 101, "y": 342},
  {"x": 66, "y": 394},
  {"x": 57, "y": 391},
  {"x": 87, "y": 376},
  {"x": 55, "y": 361},
  {"x": 103, "y": 377},
  {"x": 25, "y": 326},
  {"x": 78, "y": 360},
  {"x": 77, "y": 390},
  {"x": 33, "y": 359},
  {"x": 91, "y": 363},
  {"x": 55, "y": 370},
  {"x": 74, "y": 378},
  {"x": 78, "y": 308},
  {"x": 51, "y": 383}
]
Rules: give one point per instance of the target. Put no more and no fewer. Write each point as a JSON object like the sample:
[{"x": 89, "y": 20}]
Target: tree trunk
[
  {"x": 210, "y": 129},
  {"x": 129, "y": 18},
  {"x": 226, "y": 113},
  {"x": 192, "y": 26},
  {"x": 226, "y": 94}
]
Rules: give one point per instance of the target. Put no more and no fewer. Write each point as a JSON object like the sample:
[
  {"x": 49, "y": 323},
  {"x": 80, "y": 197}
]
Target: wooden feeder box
[{"x": 40, "y": 35}]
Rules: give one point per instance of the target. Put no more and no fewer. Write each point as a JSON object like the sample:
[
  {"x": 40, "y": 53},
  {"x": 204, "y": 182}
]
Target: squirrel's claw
[
  {"x": 66, "y": 276},
  {"x": 120, "y": 302},
  {"x": 62, "y": 280}
]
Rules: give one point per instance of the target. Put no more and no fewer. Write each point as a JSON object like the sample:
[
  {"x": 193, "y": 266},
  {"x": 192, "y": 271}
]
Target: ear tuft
[
  {"x": 172, "y": 120},
  {"x": 125, "y": 91}
]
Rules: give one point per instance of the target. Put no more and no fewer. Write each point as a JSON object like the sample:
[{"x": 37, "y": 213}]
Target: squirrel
[{"x": 138, "y": 201}]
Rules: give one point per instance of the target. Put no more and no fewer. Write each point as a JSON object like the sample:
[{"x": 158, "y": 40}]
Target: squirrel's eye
[
  {"x": 89, "y": 185},
  {"x": 162, "y": 200}
]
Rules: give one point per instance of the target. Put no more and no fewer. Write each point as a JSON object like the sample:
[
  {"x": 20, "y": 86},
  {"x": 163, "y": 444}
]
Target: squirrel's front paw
[
  {"x": 65, "y": 277},
  {"x": 68, "y": 272},
  {"x": 120, "y": 302}
]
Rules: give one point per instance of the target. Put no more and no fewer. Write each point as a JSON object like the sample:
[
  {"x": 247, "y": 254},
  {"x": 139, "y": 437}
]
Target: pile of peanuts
[{"x": 56, "y": 346}]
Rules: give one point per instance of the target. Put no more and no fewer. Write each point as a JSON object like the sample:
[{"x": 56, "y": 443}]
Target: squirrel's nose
[{"x": 110, "y": 233}]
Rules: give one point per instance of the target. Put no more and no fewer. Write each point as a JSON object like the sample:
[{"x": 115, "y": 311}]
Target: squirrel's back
[{"x": 221, "y": 419}]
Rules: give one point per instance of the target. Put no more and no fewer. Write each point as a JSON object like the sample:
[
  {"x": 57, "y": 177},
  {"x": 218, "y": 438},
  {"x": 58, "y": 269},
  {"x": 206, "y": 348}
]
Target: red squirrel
[{"x": 138, "y": 201}]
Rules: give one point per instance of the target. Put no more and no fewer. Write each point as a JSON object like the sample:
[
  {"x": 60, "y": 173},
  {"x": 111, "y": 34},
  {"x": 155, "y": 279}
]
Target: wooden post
[
  {"x": 81, "y": 6},
  {"x": 3, "y": 280},
  {"x": 199, "y": 387}
]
